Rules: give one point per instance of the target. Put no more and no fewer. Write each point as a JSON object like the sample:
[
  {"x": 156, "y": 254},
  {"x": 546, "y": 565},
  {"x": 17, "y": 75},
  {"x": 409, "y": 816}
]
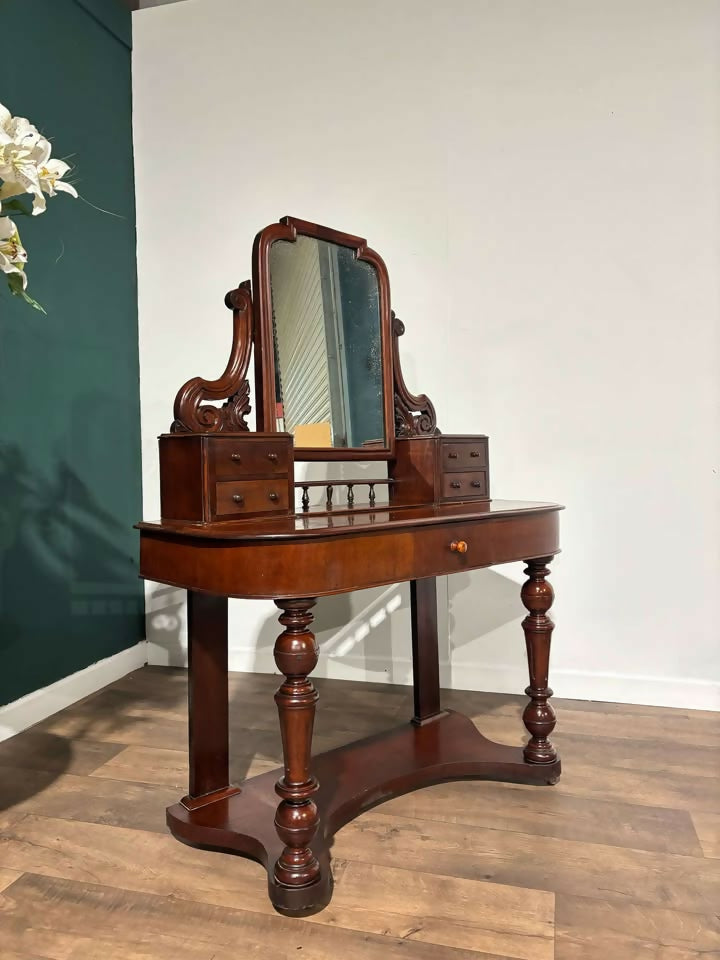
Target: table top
[
  {"x": 362, "y": 519},
  {"x": 316, "y": 555}
]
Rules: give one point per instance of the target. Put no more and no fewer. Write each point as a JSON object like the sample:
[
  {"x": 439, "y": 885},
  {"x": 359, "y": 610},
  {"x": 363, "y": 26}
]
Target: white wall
[{"x": 542, "y": 180}]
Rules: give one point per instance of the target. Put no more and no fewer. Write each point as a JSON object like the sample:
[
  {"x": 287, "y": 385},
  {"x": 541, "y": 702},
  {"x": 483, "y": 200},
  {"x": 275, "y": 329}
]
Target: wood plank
[
  {"x": 421, "y": 907},
  {"x": 692, "y": 727},
  {"x": 597, "y": 930},
  {"x": 548, "y": 812},
  {"x": 449, "y": 912},
  {"x": 24, "y": 956},
  {"x": 38, "y": 750},
  {"x": 170, "y": 767},
  {"x": 109, "y": 718},
  {"x": 7, "y": 877},
  {"x": 542, "y": 863},
  {"x": 707, "y": 827},
  {"x": 87, "y": 799},
  {"x": 583, "y": 776},
  {"x": 125, "y": 917}
]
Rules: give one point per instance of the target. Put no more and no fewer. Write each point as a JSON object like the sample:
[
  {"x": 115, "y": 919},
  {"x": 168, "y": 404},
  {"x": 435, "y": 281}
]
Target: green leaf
[{"x": 15, "y": 282}]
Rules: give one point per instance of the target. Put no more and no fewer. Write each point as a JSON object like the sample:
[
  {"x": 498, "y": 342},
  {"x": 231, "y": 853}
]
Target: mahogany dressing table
[{"x": 317, "y": 319}]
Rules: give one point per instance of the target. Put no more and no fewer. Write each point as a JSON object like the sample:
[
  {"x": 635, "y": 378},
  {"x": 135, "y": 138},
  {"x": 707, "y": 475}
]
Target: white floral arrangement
[{"x": 25, "y": 168}]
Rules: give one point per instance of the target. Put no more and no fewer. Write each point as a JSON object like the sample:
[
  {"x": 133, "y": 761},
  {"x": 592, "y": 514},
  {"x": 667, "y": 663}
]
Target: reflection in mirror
[{"x": 328, "y": 350}]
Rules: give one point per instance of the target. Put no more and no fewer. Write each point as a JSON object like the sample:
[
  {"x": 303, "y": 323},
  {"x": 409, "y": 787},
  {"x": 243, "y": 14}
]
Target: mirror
[{"x": 328, "y": 345}]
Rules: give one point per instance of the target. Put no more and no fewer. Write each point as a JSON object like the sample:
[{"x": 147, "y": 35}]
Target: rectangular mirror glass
[{"x": 327, "y": 342}]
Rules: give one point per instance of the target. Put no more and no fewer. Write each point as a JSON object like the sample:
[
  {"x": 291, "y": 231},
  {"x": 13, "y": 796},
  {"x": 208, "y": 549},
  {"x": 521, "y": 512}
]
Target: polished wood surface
[
  {"x": 426, "y": 661},
  {"x": 317, "y": 556},
  {"x": 229, "y": 529},
  {"x": 622, "y": 863}
]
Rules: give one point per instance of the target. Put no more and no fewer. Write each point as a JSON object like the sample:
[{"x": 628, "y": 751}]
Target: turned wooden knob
[
  {"x": 238, "y": 499},
  {"x": 458, "y": 546},
  {"x": 272, "y": 496},
  {"x": 272, "y": 457},
  {"x": 235, "y": 456}
]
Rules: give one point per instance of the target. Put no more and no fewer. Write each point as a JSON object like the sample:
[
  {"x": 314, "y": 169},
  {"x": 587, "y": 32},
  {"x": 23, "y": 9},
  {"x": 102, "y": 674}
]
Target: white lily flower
[
  {"x": 25, "y": 167},
  {"x": 25, "y": 163},
  {"x": 12, "y": 251},
  {"x": 51, "y": 173}
]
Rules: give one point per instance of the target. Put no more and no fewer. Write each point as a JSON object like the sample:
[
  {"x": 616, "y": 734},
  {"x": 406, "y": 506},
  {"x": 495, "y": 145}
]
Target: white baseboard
[
  {"x": 684, "y": 692},
  {"x": 36, "y": 706}
]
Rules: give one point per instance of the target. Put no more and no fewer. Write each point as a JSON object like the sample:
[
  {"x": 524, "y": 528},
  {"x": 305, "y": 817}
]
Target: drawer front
[
  {"x": 243, "y": 458},
  {"x": 237, "y": 498},
  {"x": 464, "y": 455},
  {"x": 462, "y": 486}
]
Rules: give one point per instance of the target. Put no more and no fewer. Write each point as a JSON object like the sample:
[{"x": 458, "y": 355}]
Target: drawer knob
[
  {"x": 238, "y": 499},
  {"x": 474, "y": 453},
  {"x": 452, "y": 456},
  {"x": 235, "y": 456},
  {"x": 455, "y": 484},
  {"x": 272, "y": 457},
  {"x": 476, "y": 483},
  {"x": 272, "y": 496},
  {"x": 458, "y": 546}
]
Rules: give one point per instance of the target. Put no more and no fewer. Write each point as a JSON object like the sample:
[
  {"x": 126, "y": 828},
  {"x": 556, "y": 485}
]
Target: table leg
[
  {"x": 426, "y": 669},
  {"x": 208, "y": 693},
  {"x": 296, "y": 819},
  {"x": 539, "y": 716}
]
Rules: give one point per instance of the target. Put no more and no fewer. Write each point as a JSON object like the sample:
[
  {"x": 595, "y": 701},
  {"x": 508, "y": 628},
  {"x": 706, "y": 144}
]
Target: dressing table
[{"x": 238, "y": 520}]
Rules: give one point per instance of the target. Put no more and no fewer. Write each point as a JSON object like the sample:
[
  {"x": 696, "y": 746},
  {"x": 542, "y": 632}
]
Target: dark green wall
[{"x": 69, "y": 400}]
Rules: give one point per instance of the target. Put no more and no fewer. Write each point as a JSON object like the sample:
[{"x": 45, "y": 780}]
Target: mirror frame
[{"x": 288, "y": 230}]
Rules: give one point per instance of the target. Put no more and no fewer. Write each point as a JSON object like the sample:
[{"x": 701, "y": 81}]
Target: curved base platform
[{"x": 352, "y": 779}]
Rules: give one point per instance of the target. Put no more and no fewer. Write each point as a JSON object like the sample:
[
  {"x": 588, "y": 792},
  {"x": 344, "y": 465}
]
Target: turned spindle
[
  {"x": 538, "y": 716},
  {"x": 305, "y": 499},
  {"x": 350, "y": 495},
  {"x": 296, "y": 818}
]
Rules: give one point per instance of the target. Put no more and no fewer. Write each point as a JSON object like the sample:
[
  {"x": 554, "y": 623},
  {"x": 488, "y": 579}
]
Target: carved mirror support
[
  {"x": 326, "y": 357},
  {"x": 192, "y": 413}
]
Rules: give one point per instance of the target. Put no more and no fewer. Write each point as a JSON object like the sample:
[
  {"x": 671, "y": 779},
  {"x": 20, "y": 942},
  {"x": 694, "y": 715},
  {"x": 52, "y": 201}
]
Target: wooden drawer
[
  {"x": 245, "y": 457},
  {"x": 243, "y": 497},
  {"x": 462, "y": 486},
  {"x": 464, "y": 455}
]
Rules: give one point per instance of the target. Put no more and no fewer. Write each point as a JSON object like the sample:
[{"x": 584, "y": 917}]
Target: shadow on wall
[
  {"x": 63, "y": 581},
  {"x": 480, "y": 604},
  {"x": 366, "y": 635}
]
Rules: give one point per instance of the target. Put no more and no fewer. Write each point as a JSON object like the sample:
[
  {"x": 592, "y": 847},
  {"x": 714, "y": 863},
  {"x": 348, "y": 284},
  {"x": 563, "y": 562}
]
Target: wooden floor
[{"x": 621, "y": 863}]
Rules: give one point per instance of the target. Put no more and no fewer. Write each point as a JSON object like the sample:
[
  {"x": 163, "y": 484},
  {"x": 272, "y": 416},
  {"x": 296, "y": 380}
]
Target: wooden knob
[
  {"x": 452, "y": 456},
  {"x": 235, "y": 456},
  {"x": 272, "y": 496},
  {"x": 455, "y": 484},
  {"x": 474, "y": 453},
  {"x": 272, "y": 456},
  {"x": 458, "y": 546},
  {"x": 238, "y": 499}
]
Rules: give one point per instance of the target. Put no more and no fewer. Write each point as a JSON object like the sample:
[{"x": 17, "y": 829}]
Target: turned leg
[
  {"x": 426, "y": 668},
  {"x": 539, "y": 716},
  {"x": 207, "y": 693},
  {"x": 296, "y": 819}
]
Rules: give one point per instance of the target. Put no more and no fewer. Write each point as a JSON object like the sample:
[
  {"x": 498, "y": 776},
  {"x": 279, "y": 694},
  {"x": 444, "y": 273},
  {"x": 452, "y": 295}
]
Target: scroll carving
[
  {"x": 414, "y": 415},
  {"x": 192, "y": 413}
]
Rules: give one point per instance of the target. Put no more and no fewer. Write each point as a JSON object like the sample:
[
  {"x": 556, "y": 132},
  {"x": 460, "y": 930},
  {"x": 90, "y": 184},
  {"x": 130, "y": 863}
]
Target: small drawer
[
  {"x": 465, "y": 486},
  {"x": 244, "y": 497},
  {"x": 243, "y": 457},
  {"x": 464, "y": 455}
]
